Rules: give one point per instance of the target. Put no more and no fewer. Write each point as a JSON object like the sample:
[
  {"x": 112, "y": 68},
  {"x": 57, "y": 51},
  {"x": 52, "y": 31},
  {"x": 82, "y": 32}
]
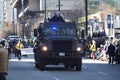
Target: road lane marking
[
  {"x": 102, "y": 73},
  {"x": 56, "y": 78}
]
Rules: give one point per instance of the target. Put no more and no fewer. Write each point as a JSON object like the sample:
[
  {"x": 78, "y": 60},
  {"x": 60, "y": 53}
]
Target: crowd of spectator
[
  {"x": 11, "y": 46},
  {"x": 104, "y": 49}
]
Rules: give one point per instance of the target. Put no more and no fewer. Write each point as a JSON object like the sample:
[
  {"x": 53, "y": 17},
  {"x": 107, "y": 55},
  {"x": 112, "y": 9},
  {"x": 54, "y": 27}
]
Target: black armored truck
[{"x": 57, "y": 42}]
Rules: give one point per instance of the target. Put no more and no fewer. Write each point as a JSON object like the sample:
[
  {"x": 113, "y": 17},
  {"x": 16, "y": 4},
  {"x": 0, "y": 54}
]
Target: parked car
[{"x": 13, "y": 37}]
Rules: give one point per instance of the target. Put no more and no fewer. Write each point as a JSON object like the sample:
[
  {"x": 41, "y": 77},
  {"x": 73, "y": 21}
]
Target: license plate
[{"x": 61, "y": 54}]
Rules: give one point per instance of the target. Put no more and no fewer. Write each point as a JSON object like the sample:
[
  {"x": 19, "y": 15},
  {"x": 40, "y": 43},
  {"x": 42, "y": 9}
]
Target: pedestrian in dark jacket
[
  {"x": 117, "y": 55},
  {"x": 9, "y": 49},
  {"x": 111, "y": 52},
  {"x": 3, "y": 63}
]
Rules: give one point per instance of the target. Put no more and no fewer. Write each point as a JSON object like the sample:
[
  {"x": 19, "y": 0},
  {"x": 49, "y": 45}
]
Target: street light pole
[
  {"x": 23, "y": 18},
  {"x": 86, "y": 18},
  {"x": 45, "y": 11},
  {"x": 59, "y": 5},
  {"x": 13, "y": 23}
]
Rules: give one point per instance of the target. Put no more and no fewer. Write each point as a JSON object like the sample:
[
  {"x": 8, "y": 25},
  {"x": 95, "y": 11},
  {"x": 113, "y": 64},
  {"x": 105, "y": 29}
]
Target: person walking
[
  {"x": 111, "y": 52},
  {"x": 14, "y": 51},
  {"x": 19, "y": 46},
  {"x": 9, "y": 49}
]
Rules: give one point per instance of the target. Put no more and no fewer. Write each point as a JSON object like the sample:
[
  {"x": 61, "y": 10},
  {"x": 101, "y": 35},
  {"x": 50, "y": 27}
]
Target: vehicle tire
[
  {"x": 79, "y": 65},
  {"x": 41, "y": 66},
  {"x": 72, "y": 66},
  {"x": 66, "y": 66},
  {"x": 36, "y": 65},
  {"x": 2, "y": 77}
]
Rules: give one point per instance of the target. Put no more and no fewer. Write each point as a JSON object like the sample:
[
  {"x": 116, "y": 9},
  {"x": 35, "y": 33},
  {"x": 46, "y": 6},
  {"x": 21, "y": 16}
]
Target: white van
[{"x": 13, "y": 37}]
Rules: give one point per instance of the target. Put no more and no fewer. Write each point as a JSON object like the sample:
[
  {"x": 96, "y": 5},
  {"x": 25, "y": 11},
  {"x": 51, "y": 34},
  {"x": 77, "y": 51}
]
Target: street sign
[{"x": 26, "y": 51}]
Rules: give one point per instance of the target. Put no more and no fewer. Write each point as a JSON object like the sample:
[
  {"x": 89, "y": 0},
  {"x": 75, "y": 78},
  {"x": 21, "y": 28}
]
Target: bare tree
[{"x": 74, "y": 15}]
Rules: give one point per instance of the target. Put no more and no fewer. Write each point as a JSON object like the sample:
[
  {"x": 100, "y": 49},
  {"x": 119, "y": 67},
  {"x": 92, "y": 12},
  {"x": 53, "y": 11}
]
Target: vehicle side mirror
[
  {"x": 40, "y": 31},
  {"x": 78, "y": 33},
  {"x": 35, "y": 32},
  {"x": 83, "y": 34}
]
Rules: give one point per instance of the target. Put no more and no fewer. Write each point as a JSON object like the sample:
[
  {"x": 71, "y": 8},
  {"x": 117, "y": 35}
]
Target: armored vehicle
[{"x": 56, "y": 43}]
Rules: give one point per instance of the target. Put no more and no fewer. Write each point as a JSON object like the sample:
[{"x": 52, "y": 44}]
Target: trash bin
[{"x": 3, "y": 63}]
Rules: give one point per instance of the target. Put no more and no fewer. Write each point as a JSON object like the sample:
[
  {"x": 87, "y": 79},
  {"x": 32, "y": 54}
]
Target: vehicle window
[
  {"x": 50, "y": 31},
  {"x": 60, "y": 31},
  {"x": 70, "y": 31}
]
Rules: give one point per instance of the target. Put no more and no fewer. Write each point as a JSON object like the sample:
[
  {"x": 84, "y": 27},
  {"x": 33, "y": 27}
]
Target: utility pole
[
  {"x": 59, "y": 5},
  {"x": 86, "y": 18},
  {"x": 13, "y": 23},
  {"x": 45, "y": 11},
  {"x": 23, "y": 19}
]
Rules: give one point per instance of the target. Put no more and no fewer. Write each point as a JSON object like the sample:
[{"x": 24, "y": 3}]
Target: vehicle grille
[{"x": 62, "y": 45}]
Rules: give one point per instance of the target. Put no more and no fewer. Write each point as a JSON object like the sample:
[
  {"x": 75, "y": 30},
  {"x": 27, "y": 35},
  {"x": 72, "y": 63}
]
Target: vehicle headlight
[
  {"x": 79, "y": 49},
  {"x": 44, "y": 48}
]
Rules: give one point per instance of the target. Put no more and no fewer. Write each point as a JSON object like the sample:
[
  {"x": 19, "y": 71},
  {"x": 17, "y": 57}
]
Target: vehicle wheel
[
  {"x": 78, "y": 67},
  {"x": 41, "y": 66},
  {"x": 36, "y": 65},
  {"x": 66, "y": 66},
  {"x": 72, "y": 66},
  {"x": 2, "y": 77}
]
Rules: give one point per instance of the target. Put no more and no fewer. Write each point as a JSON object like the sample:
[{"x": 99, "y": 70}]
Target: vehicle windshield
[{"x": 59, "y": 31}]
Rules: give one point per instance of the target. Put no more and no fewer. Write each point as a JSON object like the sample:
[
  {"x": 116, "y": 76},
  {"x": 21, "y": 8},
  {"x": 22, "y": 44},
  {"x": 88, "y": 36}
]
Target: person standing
[
  {"x": 111, "y": 52},
  {"x": 14, "y": 42},
  {"x": 104, "y": 51},
  {"x": 93, "y": 49},
  {"x": 117, "y": 54},
  {"x": 9, "y": 49}
]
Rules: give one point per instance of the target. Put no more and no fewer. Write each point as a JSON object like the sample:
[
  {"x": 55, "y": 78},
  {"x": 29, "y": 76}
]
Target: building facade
[
  {"x": 7, "y": 13},
  {"x": 1, "y": 17},
  {"x": 32, "y": 12},
  {"x": 103, "y": 16},
  {"x": 9, "y": 18},
  {"x": 1, "y": 13}
]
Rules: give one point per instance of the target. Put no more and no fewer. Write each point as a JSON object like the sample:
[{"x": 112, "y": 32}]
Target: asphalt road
[{"x": 91, "y": 70}]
